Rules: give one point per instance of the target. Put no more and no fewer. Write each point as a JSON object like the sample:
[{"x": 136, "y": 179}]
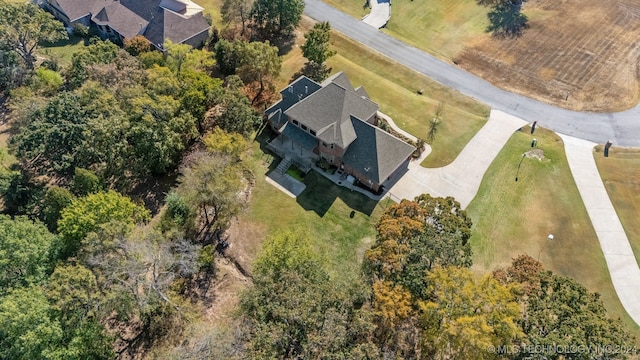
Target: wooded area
[{"x": 95, "y": 264}]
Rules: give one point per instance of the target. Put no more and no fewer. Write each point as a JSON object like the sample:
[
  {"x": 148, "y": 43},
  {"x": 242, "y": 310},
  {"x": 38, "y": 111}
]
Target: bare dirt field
[{"x": 581, "y": 55}]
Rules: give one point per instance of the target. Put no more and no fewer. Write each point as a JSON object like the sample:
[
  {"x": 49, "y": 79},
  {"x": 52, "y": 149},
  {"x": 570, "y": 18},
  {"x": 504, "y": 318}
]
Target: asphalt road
[{"x": 622, "y": 128}]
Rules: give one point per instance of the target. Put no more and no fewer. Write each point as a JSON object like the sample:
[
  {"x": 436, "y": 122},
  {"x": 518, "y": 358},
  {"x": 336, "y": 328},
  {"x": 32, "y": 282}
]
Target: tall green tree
[
  {"x": 87, "y": 214},
  {"x": 24, "y": 26},
  {"x": 27, "y": 329},
  {"x": 31, "y": 329},
  {"x": 316, "y": 47},
  {"x": 228, "y": 55},
  {"x": 260, "y": 63},
  {"x": 51, "y": 139},
  {"x": 316, "y": 50},
  {"x": 236, "y": 114},
  {"x": 212, "y": 185},
  {"x": 277, "y": 17},
  {"x": 25, "y": 252}
]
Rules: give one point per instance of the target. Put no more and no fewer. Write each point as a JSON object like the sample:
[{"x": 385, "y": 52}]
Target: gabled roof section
[
  {"x": 295, "y": 92},
  {"x": 375, "y": 152},
  {"x": 339, "y": 78},
  {"x": 76, "y": 9},
  {"x": 121, "y": 19},
  {"x": 362, "y": 92},
  {"x": 329, "y": 110}
]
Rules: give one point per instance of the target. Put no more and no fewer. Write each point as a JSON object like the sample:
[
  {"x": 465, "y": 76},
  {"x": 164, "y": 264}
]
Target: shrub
[{"x": 80, "y": 30}]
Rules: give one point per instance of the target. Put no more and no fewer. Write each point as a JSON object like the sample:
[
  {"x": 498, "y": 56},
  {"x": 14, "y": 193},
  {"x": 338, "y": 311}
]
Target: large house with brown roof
[
  {"x": 338, "y": 123},
  {"x": 180, "y": 21}
]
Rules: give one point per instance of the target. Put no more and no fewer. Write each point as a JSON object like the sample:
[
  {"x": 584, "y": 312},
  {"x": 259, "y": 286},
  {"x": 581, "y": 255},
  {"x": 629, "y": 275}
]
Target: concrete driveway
[
  {"x": 460, "y": 179},
  {"x": 380, "y": 13}
]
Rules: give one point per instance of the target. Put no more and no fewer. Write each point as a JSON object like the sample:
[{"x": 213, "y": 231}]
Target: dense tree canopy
[
  {"x": 294, "y": 309},
  {"x": 558, "y": 311},
  {"x": 464, "y": 315},
  {"x": 415, "y": 236},
  {"x": 87, "y": 214},
  {"x": 25, "y": 252},
  {"x": 30, "y": 329},
  {"x": 277, "y": 17}
]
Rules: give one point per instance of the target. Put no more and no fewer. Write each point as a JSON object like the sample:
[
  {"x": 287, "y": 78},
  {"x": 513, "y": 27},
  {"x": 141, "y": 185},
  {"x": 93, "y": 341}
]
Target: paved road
[
  {"x": 622, "y": 264},
  {"x": 622, "y": 128}
]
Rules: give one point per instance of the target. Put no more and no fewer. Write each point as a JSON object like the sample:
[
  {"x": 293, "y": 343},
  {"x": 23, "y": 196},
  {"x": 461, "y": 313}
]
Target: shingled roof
[
  {"x": 329, "y": 111},
  {"x": 337, "y": 113},
  {"x": 176, "y": 20},
  {"x": 375, "y": 152}
]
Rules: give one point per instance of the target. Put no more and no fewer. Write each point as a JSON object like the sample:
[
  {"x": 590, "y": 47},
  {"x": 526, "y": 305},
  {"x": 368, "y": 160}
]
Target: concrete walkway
[
  {"x": 622, "y": 264},
  {"x": 380, "y": 13},
  {"x": 460, "y": 179},
  {"x": 286, "y": 184}
]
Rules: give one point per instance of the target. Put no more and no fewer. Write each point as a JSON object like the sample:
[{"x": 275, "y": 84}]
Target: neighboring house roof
[
  {"x": 329, "y": 110},
  {"x": 375, "y": 152},
  {"x": 157, "y": 20}
]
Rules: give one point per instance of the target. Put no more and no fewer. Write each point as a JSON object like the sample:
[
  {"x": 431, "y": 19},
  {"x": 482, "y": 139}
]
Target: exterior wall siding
[{"x": 336, "y": 153}]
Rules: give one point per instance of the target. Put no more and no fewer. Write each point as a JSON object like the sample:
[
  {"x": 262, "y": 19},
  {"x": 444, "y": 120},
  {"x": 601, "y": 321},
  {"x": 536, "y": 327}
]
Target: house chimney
[{"x": 306, "y": 89}]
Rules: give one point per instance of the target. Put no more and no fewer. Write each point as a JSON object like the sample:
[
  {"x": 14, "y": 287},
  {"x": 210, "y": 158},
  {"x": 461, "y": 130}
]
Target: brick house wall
[{"x": 332, "y": 155}]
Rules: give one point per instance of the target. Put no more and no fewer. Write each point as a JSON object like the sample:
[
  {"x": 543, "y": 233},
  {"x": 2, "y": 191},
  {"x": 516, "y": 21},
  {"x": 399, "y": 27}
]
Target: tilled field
[{"x": 578, "y": 54}]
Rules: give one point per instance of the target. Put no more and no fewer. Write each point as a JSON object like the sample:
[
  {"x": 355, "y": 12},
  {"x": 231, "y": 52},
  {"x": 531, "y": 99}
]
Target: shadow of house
[
  {"x": 181, "y": 21},
  {"x": 321, "y": 193}
]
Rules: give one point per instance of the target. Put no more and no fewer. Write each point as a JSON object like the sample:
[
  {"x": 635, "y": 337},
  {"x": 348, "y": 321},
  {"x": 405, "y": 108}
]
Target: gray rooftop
[
  {"x": 329, "y": 111},
  {"x": 130, "y": 17},
  {"x": 293, "y": 93},
  {"x": 375, "y": 152}
]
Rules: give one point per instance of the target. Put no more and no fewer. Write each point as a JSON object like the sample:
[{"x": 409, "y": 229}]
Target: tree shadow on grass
[
  {"x": 507, "y": 21},
  {"x": 321, "y": 193}
]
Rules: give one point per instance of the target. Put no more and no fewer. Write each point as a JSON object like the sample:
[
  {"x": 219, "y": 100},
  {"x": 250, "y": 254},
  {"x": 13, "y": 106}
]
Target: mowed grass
[
  {"x": 62, "y": 51},
  {"x": 512, "y": 218},
  {"x": 339, "y": 222},
  {"x": 620, "y": 173},
  {"x": 394, "y": 87},
  {"x": 441, "y": 27}
]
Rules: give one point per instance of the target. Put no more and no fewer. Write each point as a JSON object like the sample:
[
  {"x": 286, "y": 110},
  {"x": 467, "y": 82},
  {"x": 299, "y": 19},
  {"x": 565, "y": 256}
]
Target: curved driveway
[{"x": 622, "y": 128}]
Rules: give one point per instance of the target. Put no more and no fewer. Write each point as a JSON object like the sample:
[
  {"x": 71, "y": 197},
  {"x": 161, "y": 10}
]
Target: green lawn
[
  {"x": 62, "y": 51},
  {"x": 340, "y": 222},
  {"x": 621, "y": 176},
  {"x": 394, "y": 88},
  {"x": 512, "y": 218},
  {"x": 441, "y": 27}
]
